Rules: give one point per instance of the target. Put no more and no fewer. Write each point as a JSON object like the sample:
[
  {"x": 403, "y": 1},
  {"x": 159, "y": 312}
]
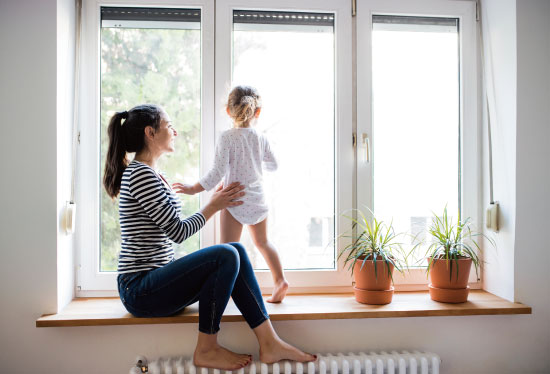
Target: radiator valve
[{"x": 142, "y": 365}]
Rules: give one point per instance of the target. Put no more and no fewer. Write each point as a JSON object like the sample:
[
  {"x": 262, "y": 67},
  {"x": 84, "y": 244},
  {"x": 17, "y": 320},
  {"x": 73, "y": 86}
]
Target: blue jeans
[{"x": 209, "y": 276}]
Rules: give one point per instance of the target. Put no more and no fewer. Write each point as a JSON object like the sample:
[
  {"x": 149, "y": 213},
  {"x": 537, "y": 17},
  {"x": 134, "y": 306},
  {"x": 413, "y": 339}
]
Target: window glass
[
  {"x": 289, "y": 57},
  {"x": 416, "y": 123},
  {"x": 152, "y": 56}
]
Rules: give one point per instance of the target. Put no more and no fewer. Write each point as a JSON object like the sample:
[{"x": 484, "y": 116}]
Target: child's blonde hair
[{"x": 243, "y": 101}]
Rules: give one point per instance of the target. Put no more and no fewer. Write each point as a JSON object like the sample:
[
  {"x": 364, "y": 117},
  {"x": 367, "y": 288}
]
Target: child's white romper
[{"x": 240, "y": 153}]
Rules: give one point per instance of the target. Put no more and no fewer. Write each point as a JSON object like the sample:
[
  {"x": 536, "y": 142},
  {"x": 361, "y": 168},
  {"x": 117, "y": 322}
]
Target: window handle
[{"x": 365, "y": 143}]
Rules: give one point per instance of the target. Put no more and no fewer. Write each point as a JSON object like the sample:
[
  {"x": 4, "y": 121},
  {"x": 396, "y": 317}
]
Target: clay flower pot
[
  {"x": 373, "y": 287},
  {"x": 449, "y": 280}
]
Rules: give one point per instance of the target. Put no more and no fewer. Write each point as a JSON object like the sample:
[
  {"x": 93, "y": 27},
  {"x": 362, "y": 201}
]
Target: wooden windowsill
[{"x": 110, "y": 311}]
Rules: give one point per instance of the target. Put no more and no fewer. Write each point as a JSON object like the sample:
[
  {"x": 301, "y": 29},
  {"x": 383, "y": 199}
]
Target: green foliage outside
[{"x": 161, "y": 67}]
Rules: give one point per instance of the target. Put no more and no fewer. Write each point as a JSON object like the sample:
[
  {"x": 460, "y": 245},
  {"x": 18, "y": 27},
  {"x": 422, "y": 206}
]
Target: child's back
[{"x": 241, "y": 153}]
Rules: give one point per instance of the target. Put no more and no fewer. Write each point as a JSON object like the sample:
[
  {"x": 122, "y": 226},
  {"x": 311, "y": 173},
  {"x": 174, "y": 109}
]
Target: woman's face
[{"x": 165, "y": 135}]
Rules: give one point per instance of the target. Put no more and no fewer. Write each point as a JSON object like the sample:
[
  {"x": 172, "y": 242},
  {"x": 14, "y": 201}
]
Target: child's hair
[{"x": 242, "y": 103}]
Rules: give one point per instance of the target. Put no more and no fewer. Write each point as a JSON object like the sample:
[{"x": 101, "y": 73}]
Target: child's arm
[
  {"x": 188, "y": 189},
  {"x": 269, "y": 160},
  {"x": 221, "y": 163}
]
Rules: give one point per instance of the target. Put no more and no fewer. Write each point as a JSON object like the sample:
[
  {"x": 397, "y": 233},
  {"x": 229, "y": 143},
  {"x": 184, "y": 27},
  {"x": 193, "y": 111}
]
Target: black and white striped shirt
[{"x": 149, "y": 214}]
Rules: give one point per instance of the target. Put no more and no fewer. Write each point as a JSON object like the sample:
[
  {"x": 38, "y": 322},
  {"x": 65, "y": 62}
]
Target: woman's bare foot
[
  {"x": 279, "y": 350},
  {"x": 209, "y": 354},
  {"x": 220, "y": 358},
  {"x": 279, "y": 292}
]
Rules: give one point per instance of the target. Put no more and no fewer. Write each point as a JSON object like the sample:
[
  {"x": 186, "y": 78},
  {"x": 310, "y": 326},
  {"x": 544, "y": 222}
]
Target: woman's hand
[
  {"x": 223, "y": 198},
  {"x": 188, "y": 189}
]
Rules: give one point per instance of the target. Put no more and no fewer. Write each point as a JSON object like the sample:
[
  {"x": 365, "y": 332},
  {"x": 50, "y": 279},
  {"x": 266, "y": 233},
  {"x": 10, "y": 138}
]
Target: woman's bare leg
[
  {"x": 258, "y": 232},
  {"x": 274, "y": 349},
  {"x": 209, "y": 354},
  {"x": 231, "y": 229}
]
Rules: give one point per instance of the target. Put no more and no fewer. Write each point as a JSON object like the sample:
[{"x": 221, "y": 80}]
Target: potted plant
[
  {"x": 372, "y": 256},
  {"x": 450, "y": 257}
]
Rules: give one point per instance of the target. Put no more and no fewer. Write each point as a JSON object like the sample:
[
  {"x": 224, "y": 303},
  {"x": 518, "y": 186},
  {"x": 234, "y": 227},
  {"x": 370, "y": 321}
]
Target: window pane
[
  {"x": 416, "y": 122},
  {"x": 161, "y": 66},
  {"x": 291, "y": 63}
]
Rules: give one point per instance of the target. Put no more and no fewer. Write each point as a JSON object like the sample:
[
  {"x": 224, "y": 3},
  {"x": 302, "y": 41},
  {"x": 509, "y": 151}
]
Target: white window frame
[
  {"x": 465, "y": 11},
  {"x": 303, "y": 280},
  {"x": 91, "y": 282},
  {"x": 216, "y": 55}
]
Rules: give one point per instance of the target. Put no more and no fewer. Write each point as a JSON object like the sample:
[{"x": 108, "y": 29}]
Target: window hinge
[
  {"x": 78, "y": 137},
  {"x": 353, "y": 8},
  {"x": 354, "y": 139}
]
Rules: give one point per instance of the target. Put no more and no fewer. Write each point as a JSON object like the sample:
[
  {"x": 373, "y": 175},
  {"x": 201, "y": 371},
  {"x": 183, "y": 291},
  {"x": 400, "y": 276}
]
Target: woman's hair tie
[{"x": 124, "y": 114}]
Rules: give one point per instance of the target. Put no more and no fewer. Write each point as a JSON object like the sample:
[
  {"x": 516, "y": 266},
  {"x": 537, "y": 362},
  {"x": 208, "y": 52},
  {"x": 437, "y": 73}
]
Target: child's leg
[
  {"x": 258, "y": 232},
  {"x": 231, "y": 229}
]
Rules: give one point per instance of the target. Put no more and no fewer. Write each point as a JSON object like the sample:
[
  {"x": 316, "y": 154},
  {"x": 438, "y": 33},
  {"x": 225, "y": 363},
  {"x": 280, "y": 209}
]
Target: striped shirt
[{"x": 149, "y": 213}]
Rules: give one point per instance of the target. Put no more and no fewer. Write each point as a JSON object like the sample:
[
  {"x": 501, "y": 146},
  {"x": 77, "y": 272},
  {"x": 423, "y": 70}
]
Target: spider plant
[
  {"x": 374, "y": 240},
  {"x": 454, "y": 241}
]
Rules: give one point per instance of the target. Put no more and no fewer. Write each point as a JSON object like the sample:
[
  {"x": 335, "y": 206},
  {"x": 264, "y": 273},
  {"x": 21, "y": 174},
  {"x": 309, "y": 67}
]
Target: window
[
  {"x": 165, "y": 55},
  {"x": 415, "y": 67},
  {"x": 415, "y": 92},
  {"x": 289, "y": 58},
  {"x": 130, "y": 55},
  {"x": 151, "y": 55},
  {"x": 275, "y": 55},
  {"x": 417, "y": 115}
]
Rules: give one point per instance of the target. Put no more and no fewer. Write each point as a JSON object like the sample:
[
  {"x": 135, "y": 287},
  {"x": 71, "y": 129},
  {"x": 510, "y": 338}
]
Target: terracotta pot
[
  {"x": 449, "y": 295},
  {"x": 449, "y": 280},
  {"x": 373, "y": 287},
  {"x": 443, "y": 273},
  {"x": 368, "y": 279},
  {"x": 373, "y": 297}
]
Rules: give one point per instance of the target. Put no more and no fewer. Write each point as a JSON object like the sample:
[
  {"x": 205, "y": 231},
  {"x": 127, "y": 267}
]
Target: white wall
[
  {"x": 28, "y": 221},
  {"x": 28, "y": 224},
  {"x": 532, "y": 252},
  {"x": 499, "y": 35},
  {"x": 65, "y": 93}
]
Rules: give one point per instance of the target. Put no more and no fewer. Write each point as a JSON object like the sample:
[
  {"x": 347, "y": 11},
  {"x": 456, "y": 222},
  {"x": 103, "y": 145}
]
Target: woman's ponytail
[
  {"x": 127, "y": 136},
  {"x": 116, "y": 160}
]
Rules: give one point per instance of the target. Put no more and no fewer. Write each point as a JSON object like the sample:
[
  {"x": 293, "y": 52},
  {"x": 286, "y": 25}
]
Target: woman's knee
[
  {"x": 239, "y": 248},
  {"x": 228, "y": 254},
  {"x": 242, "y": 252}
]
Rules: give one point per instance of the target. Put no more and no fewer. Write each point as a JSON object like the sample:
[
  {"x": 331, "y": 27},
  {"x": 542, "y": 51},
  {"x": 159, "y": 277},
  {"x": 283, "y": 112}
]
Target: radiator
[{"x": 393, "y": 362}]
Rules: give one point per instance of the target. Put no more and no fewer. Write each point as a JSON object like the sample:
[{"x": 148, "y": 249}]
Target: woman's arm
[
  {"x": 223, "y": 198},
  {"x": 147, "y": 189}
]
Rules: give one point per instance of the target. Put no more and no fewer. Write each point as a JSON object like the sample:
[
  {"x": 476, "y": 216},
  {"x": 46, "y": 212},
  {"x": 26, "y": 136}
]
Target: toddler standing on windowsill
[{"x": 240, "y": 154}]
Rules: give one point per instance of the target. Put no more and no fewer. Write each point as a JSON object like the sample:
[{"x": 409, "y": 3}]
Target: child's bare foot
[
  {"x": 218, "y": 357},
  {"x": 280, "y": 350},
  {"x": 279, "y": 292}
]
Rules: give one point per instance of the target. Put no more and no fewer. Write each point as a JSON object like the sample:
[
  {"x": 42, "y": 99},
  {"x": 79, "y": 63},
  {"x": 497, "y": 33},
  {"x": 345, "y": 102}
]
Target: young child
[{"x": 240, "y": 154}]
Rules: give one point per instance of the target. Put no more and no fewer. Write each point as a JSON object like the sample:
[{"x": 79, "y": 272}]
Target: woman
[{"x": 150, "y": 282}]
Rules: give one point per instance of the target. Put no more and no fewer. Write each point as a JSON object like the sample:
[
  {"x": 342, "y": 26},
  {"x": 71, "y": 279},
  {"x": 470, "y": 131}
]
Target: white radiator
[{"x": 393, "y": 362}]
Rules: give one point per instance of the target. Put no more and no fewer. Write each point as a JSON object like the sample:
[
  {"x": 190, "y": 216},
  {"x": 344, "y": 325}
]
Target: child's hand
[{"x": 187, "y": 189}]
